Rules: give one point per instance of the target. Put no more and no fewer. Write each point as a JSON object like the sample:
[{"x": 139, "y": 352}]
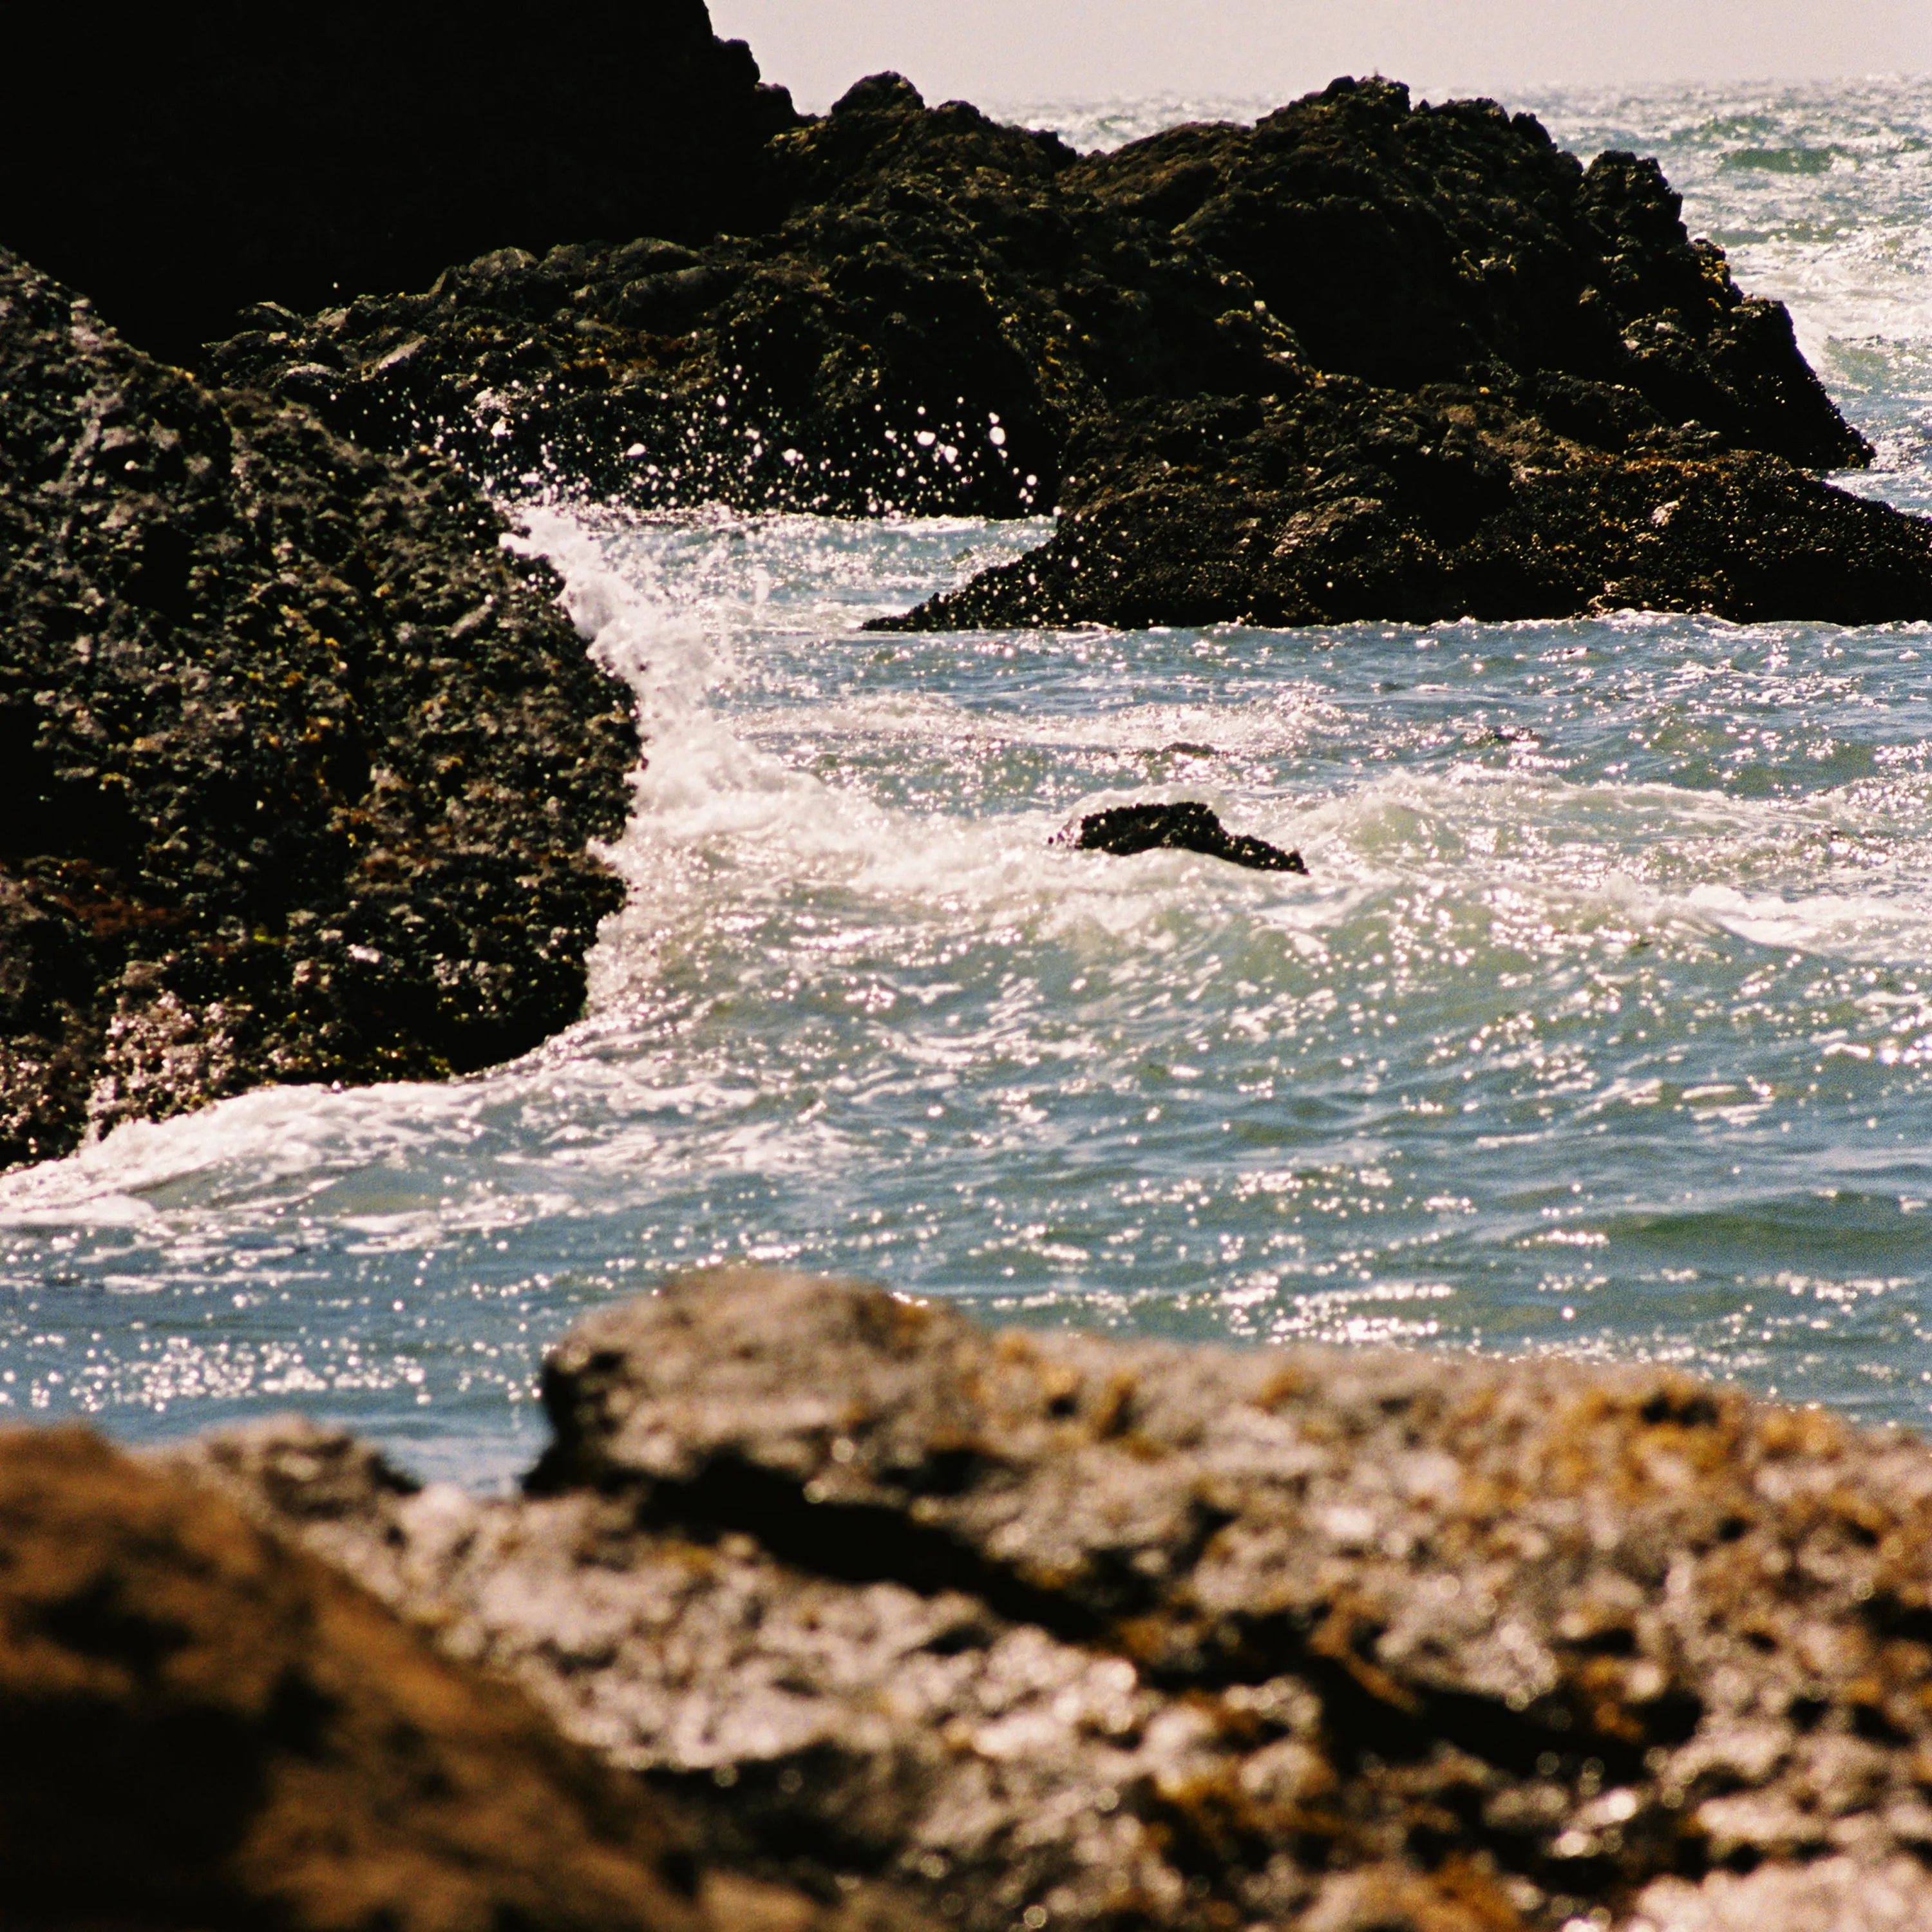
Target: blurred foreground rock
[
  {"x": 202, "y": 1727},
  {"x": 1049, "y": 1630},
  {"x": 298, "y": 767}
]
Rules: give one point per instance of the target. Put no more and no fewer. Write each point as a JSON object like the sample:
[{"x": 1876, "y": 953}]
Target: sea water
[{"x": 1602, "y": 1024}]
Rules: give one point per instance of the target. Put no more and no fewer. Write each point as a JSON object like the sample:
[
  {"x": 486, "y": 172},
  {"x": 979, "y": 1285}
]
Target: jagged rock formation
[
  {"x": 297, "y": 767},
  {"x": 1346, "y": 502},
  {"x": 177, "y": 162},
  {"x": 1052, "y": 1630},
  {"x": 916, "y": 336},
  {"x": 1187, "y": 826},
  {"x": 1361, "y": 360}
]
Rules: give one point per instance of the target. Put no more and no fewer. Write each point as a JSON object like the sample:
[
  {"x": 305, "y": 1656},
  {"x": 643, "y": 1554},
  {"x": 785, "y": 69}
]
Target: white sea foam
[{"x": 1610, "y": 990}]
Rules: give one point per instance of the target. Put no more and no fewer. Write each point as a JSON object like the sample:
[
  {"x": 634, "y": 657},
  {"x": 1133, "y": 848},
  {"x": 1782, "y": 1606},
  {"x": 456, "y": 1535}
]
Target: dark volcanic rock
[
  {"x": 1345, "y": 501},
  {"x": 297, "y": 768},
  {"x": 1458, "y": 244},
  {"x": 1125, "y": 829},
  {"x": 1053, "y": 1629},
  {"x": 177, "y": 162},
  {"x": 916, "y": 336},
  {"x": 1359, "y": 360},
  {"x": 200, "y": 1727}
]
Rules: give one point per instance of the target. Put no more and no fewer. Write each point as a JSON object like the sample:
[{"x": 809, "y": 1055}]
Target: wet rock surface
[
  {"x": 1045, "y": 1629},
  {"x": 916, "y": 335},
  {"x": 1187, "y": 826},
  {"x": 201, "y": 1727},
  {"x": 1347, "y": 502},
  {"x": 298, "y": 767},
  {"x": 177, "y": 163},
  {"x": 1363, "y": 359}
]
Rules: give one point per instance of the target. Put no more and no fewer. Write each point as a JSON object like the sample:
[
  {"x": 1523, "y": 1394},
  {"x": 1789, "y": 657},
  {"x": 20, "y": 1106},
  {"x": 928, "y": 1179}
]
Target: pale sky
[{"x": 1013, "y": 50}]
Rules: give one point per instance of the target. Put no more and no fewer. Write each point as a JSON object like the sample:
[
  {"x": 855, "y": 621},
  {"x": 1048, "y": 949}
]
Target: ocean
[{"x": 1602, "y": 1025}]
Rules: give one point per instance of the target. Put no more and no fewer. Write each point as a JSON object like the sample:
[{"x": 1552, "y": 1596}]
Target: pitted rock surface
[
  {"x": 1048, "y": 1628},
  {"x": 298, "y": 767}
]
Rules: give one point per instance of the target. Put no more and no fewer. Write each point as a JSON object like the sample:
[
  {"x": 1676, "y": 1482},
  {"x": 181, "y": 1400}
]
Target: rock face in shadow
[
  {"x": 298, "y": 768},
  {"x": 177, "y": 162},
  {"x": 1050, "y": 1629},
  {"x": 200, "y": 1727},
  {"x": 1188, "y": 827},
  {"x": 916, "y": 335},
  {"x": 1363, "y": 359}
]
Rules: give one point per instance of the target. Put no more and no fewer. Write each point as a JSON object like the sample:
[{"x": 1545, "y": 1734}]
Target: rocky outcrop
[
  {"x": 1346, "y": 502},
  {"x": 1363, "y": 359},
  {"x": 1050, "y": 1630},
  {"x": 178, "y": 162},
  {"x": 201, "y": 1727},
  {"x": 1185, "y": 826},
  {"x": 298, "y": 767},
  {"x": 916, "y": 336}
]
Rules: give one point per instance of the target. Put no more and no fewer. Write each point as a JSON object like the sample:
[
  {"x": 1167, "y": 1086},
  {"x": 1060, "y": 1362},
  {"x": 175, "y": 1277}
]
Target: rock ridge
[
  {"x": 1365, "y": 358},
  {"x": 1046, "y": 1628}
]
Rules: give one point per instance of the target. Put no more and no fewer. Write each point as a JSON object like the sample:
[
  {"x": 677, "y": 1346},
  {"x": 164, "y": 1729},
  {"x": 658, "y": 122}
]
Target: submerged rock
[
  {"x": 178, "y": 162},
  {"x": 1362, "y": 359},
  {"x": 1049, "y": 1628},
  {"x": 1189, "y": 826},
  {"x": 298, "y": 767}
]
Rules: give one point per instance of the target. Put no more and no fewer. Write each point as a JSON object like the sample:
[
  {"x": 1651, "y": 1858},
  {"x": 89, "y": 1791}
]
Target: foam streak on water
[{"x": 1604, "y": 1023}]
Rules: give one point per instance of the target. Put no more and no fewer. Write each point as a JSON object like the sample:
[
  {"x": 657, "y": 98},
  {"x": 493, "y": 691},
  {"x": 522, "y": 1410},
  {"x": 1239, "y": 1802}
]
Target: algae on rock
[{"x": 1045, "y": 1628}]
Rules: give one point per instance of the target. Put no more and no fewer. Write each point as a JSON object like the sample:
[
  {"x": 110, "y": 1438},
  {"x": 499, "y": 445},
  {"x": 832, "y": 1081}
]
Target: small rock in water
[{"x": 1189, "y": 826}]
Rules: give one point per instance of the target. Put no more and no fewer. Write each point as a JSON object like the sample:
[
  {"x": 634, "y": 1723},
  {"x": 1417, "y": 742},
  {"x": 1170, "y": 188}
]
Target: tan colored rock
[
  {"x": 1053, "y": 1630},
  {"x": 201, "y": 1727}
]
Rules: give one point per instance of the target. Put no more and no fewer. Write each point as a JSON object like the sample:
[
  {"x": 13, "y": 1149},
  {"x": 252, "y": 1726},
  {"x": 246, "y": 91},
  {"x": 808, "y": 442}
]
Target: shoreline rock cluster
[
  {"x": 877, "y": 1620},
  {"x": 1041, "y": 1629},
  {"x": 300, "y": 769},
  {"x": 1365, "y": 359}
]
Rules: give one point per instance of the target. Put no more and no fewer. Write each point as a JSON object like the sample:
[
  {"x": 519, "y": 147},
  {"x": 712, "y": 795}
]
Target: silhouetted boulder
[
  {"x": 1189, "y": 826},
  {"x": 177, "y": 160}
]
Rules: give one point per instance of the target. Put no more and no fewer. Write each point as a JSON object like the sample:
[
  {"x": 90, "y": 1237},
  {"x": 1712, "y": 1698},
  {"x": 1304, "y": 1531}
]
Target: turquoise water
[{"x": 1603, "y": 1025}]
